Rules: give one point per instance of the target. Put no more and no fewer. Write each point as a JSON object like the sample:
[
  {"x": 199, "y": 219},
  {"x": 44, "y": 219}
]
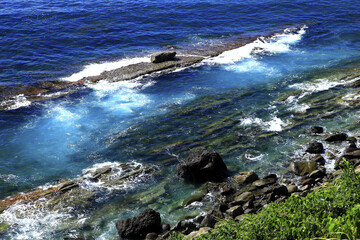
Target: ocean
[{"x": 253, "y": 103}]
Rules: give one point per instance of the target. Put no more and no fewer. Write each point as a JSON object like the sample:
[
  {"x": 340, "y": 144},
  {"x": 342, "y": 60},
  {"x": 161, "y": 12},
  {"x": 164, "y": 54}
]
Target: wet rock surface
[
  {"x": 75, "y": 193},
  {"x": 202, "y": 166},
  {"x": 337, "y": 137},
  {"x": 315, "y": 148},
  {"x": 302, "y": 168},
  {"x": 149, "y": 221}
]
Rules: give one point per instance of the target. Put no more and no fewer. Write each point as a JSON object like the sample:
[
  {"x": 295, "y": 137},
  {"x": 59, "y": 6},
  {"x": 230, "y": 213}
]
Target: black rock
[
  {"x": 315, "y": 148},
  {"x": 138, "y": 227},
  {"x": 271, "y": 176},
  {"x": 159, "y": 57},
  {"x": 208, "y": 221},
  {"x": 319, "y": 159},
  {"x": 165, "y": 227},
  {"x": 202, "y": 166},
  {"x": 281, "y": 190},
  {"x": 316, "y": 129},
  {"x": 337, "y": 137}
]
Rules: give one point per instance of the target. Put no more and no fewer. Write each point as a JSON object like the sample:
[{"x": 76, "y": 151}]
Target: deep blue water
[{"x": 130, "y": 121}]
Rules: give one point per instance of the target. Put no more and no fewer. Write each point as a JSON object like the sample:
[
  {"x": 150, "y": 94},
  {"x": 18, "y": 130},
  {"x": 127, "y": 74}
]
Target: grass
[{"x": 332, "y": 212}]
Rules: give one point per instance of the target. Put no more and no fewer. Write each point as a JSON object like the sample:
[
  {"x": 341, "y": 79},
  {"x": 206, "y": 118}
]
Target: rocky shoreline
[{"x": 244, "y": 193}]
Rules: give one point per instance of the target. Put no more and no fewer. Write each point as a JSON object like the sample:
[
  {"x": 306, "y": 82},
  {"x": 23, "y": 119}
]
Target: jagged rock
[
  {"x": 352, "y": 147},
  {"x": 208, "y": 221},
  {"x": 165, "y": 227},
  {"x": 226, "y": 189},
  {"x": 292, "y": 189},
  {"x": 195, "y": 234},
  {"x": 337, "y": 137},
  {"x": 281, "y": 190},
  {"x": 194, "y": 198},
  {"x": 138, "y": 227},
  {"x": 352, "y": 155},
  {"x": 201, "y": 166},
  {"x": 274, "y": 176},
  {"x": 244, "y": 197},
  {"x": 316, "y": 129},
  {"x": 151, "y": 236},
  {"x": 319, "y": 173},
  {"x": 351, "y": 139},
  {"x": 245, "y": 177},
  {"x": 315, "y": 148},
  {"x": 263, "y": 182},
  {"x": 160, "y": 57},
  {"x": 319, "y": 159},
  {"x": 308, "y": 181},
  {"x": 235, "y": 211},
  {"x": 302, "y": 168}
]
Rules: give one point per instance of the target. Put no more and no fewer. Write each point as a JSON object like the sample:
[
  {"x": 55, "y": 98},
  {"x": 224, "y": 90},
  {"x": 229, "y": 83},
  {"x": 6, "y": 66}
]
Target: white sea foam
[
  {"x": 117, "y": 172},
  {"x": 122, "y": 96},
  {"x": 96, "y": 69},
  {"x": 253, "y": 158},
  {"x": 30, "y": 221},
  {"x": 321, "y": 84},
  {"x": 278, "y": 43},
  {"x": 16, "y": 102},
  {"x": 8, "y": 178},
  {"x": 274, "y": 125}
]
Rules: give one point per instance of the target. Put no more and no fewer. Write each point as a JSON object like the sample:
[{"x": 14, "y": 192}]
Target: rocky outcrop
[
  {"x": 159, "y": 57},
  {"x": 138, "y": 227},
  {"x": 202, "y": 166}
]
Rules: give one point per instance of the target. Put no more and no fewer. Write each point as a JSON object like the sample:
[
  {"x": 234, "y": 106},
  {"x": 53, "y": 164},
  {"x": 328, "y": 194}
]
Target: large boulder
[
  {"x": 337, "y": 137},
  {"x": 159, "y": 57},
  {"x": 202, "y": 166},
  {"x": 302, "y": 168},
  {"x": 315, "y": 148},
  {"x": 138, "y": 227}
]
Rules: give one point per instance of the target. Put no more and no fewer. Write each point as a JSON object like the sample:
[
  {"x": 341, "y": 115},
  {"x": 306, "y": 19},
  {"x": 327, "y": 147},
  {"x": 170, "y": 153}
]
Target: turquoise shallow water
[{"x": 253, "y": 109}]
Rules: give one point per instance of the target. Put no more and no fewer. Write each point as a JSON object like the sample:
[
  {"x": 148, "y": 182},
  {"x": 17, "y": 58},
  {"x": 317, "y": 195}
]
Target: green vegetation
[{"x": 331, "y": 212}]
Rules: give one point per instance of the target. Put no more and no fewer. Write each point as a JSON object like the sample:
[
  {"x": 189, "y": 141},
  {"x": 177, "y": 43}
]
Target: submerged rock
[
  {"x": 202, "y": 166},
  {"x": 138, "y": 227},
  {"x": 316, "y": 129},
  {"x": 159, "y": 57}
]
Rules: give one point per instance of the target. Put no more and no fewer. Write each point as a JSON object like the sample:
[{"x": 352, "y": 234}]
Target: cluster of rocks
[
  {"x": 74, "y": 193},
  {"x": 244, "y": 193}
]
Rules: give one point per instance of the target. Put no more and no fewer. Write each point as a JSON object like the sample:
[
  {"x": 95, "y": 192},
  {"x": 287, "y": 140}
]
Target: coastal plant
[{"x": 331, "y": 212}]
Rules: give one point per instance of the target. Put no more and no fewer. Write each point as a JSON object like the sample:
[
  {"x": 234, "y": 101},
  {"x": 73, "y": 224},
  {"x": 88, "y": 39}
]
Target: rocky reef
[{"x": 161, "y": 62}]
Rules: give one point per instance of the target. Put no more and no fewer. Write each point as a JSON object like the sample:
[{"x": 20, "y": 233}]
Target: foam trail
[
  {"x": 274, "y": 125},
  {"x": 96, "y": 69},
  {"x": 17, "y": 102},
  {"x": 279, "y": 43}
]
